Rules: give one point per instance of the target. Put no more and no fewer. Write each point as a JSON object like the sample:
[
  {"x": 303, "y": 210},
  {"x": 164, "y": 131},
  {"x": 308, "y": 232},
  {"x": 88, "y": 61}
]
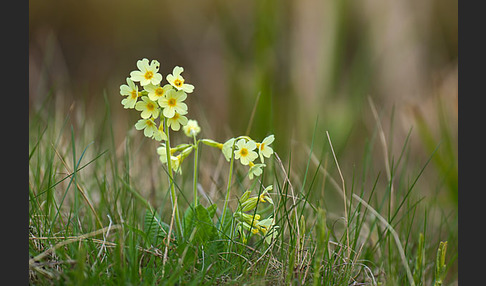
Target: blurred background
[{"x": 304, "y": 67}]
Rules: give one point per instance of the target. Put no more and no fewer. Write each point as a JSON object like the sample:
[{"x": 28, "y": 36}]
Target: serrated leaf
[
  {"x": 212, "y": 210},
  {"x": 206, "y": 230},
  {"x": 155, "y": 229},
  {"x": 188, "y": 221}
]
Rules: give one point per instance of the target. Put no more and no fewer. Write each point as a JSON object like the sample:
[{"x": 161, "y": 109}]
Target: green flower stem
[
  {"x": 195, "y": 169},
  {"x": 226, "y": 198},
  {"x": 173, "y": 196}
]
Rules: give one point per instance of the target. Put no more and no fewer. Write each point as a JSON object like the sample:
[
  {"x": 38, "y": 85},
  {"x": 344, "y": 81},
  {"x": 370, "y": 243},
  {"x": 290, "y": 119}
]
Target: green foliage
[{"x": 93, "y": 221}]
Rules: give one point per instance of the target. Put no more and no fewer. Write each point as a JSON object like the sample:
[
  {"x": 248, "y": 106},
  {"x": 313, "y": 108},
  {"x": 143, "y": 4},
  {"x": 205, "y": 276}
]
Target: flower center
[
  {"x": 149, "y": 123},
  {"x": 244, "y": 152},
  {"x": 262, "y": 146},
  {"x": 176, "y": 116},
  {"x": 134, "y": 94},
  {"x": 159, "y": 91},
  {"x": 149, "y": 75},
  {"x": 171, "y": 102},
  {"x": 150, "y": 106},
  {"x": 178, "y": 82}
]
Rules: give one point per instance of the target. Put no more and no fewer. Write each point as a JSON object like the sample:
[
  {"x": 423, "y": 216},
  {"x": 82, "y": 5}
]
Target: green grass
[{"x": 100, "y": 212}]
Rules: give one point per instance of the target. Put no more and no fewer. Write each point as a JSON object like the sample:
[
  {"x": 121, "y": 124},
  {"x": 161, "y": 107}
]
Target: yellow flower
[
  {"x": 148, "y": 107},
  {"x": 160, "y": 135},
  {"x": 176, "y": 121},
  {"x": 245, "y": 151},
  {"x": 268, "y": 229},
  {"x": 177, "y": 81},
  {"x": 172, "y": 102},
  {"x": 264, "y": 149},
  {"x": 155, "y": 92},
  {"x": 147, "y": 73},
  {"x": 162, "y": 151},
  {"x": 191, "y": 128},
  {"x": 227, "y": 149},
  {"x": 132, "y": 93},
  {"x": 264, "y": 195},
  {"x": 175, "y": 163},
  {"x": 255, "y": 170},
  {"x": 148, "y": 126}
]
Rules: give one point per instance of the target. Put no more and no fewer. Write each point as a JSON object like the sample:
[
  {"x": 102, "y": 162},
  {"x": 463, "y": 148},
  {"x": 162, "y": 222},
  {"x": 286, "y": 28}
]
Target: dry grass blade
[
  {"x": 81, "y": 190},
  {"x": 385, "y": 148},
  {"x": 395, "y": 236},
  {"x": 71, "y": 240},
  {"x": 344, "y": 195}
]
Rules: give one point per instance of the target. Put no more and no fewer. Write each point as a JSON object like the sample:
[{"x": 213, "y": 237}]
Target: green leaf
[
  {"x": 188, "y": 221},
  {"x": 228, "y": 218},
  {"x": 212, "y": 210},
  {"x": 154, "y": 228},
  {"x": 206, "y": 230}
]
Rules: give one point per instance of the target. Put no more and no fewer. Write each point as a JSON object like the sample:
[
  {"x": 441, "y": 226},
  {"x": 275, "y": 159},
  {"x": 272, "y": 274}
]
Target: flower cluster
[
  {"x": 253, "y": 222},
  {"x": 162, "y": 108},
  {"x": 156, "y": 101},
  {"x": 245, "y": 149}
]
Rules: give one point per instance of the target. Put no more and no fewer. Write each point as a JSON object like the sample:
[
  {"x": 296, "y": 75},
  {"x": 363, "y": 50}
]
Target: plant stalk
[
  {"x": 173, "y": 196},
  {"x": 196, "y": 143},
  {"x": 230, "y": 177}
]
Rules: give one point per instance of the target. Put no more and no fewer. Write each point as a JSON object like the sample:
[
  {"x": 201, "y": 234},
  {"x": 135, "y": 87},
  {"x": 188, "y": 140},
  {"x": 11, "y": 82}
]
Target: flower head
[
  {"x": 245, "y": 151},
  {"x": 148, "y": 107},
  {"x": 264, "y": 149},
  {"x": 175, "y": 163},
  {"x": 160, "y": 135},
  {"x": 255, "y": 170},
  {"x": 191, "y": 128},
  {"x": 176, "y": 121},
  {"x": 162, "y": 151},
  {"x": 227, "y": 149},
  {"x": 268, "y": 228},
  {"x": 172, "y": 102},
  {"x": 264, "y": 197},
  {"x": 131, "y": 91},
  {"x": 177, "y": 81},
  {"x": 155, "y": 92},
  {"x": 147, "y": 125},
  {"x": 147, "y": 73}
]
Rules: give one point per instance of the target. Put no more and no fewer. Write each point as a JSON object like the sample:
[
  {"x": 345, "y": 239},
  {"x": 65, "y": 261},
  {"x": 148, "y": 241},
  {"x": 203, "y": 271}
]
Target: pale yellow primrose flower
[
  {"x": 177, "y": 81},
  {"x": 264, "y": 197},
  {"x": 176, "y": 121},
  {"x": 148, "y": 126},
  {"x": 130, "y": 90},
  {"x": 162, "y": 151},
  {"x": 148, "y": 107},
  {"x": 227, "y": 149},
  {"x": 268, "y": 228},
  {"x": 191, "y": 128},
  {"x": 264, "y": 149},
  {"x": 245, "y": 151},
  {"x": 155, "y": 92},
  {"x": 160, "y": 135},
  {"x": 172, "y": 102},
  {"x": 255, "y": 170},
  {"x": 147, "y": 73}
]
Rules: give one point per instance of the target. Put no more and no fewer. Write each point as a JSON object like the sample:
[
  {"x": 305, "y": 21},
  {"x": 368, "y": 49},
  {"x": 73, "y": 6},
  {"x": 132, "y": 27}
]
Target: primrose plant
[{"x": 162, "y": 109}]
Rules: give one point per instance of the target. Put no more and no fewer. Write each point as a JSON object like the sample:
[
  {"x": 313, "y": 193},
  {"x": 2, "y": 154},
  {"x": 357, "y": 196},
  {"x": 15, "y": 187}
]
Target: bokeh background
[{"x": 306, "y": 67}]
